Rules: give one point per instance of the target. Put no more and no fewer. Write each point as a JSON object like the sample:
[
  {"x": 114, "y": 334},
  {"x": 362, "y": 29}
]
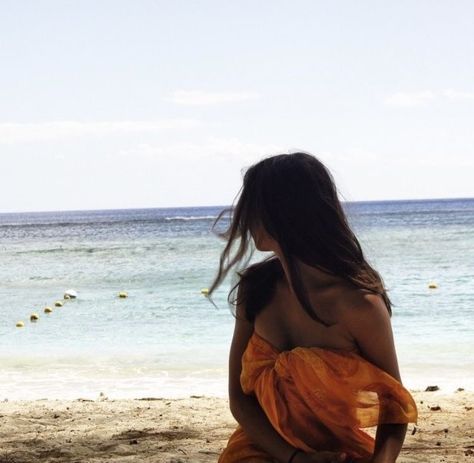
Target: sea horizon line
[{"x": 118, "y": 209}]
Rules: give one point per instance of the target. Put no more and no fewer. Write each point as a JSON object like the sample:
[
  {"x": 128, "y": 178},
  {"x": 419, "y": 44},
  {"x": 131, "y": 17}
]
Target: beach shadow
[
  {"x": 132, "y": 442},
  {"x": 33, "y": 453},
  {"x": 149, "y": 433}
]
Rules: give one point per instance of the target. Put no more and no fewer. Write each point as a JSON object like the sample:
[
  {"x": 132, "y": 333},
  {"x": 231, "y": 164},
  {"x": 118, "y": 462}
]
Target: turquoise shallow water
[{"x": 166, "y": 339}]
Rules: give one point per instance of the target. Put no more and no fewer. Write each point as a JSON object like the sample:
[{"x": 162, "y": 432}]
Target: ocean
[{"x": 166, "y": 339}]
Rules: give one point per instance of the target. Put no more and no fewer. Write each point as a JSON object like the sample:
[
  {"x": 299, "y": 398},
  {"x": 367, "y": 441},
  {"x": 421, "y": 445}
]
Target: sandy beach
[{"x": 194, "y": 429}]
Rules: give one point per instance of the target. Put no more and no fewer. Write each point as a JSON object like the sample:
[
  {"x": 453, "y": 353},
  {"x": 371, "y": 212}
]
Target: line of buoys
[
  {"x": 68, "y": 294},
  {"x": 34, "y": 317}
]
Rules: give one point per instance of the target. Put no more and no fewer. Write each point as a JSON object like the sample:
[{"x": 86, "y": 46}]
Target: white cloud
[
  {"x": 53, "y": 130},
  {"x": 356, "y": 155},
  {"x": 200, "y": 98},
  {"x": 210, "y": 149},
  {"x": 409, "y": 99},
  {"x": 453, "y": 94}
]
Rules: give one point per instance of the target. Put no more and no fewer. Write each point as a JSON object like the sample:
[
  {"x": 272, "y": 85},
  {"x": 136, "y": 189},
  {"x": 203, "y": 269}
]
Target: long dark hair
[{"x": 294, "y": 197}]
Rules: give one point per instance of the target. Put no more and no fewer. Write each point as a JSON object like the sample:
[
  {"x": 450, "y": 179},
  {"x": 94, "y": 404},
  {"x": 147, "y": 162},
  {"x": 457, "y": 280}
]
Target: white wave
[
  {"x": 73, "y": 384},
  {"x": 192, "y": 217}
]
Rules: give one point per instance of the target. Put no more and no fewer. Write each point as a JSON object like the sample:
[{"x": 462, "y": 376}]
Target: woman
[{"x": 312, "y": 359}]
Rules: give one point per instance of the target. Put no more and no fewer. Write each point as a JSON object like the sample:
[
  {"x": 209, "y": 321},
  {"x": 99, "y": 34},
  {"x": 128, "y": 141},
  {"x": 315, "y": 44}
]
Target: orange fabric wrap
[{"x": 317, "y": 399}]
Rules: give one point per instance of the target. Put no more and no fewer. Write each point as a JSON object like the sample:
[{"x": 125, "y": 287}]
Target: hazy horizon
[{"x": 228, "y": 205}]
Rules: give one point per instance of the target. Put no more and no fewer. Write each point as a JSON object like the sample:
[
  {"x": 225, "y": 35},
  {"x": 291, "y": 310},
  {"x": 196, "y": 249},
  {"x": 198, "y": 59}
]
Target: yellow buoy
[
  {"x": 432, "y": 285},
  {"x": 122, "y": 294},
  {"x": 58, "y": 304},
  {"x": 20, "y": 324},
  {"x": 34, "y": 317},
  {"x": 48, "y": 310},
  {"x": 204, "y": 291},
  {"x": 66, "y": 296}
]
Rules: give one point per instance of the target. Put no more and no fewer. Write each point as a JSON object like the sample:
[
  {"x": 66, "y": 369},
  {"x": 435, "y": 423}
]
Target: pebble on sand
[{"x": 432, "y": 388}]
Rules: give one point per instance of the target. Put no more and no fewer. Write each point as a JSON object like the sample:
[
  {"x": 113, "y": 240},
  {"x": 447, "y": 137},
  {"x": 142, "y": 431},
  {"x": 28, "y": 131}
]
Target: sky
[{"x": 150, "y": 103}]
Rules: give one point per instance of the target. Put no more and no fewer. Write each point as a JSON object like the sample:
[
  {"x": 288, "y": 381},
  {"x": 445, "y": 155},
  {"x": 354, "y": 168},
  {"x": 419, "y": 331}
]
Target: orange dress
[{"x": 317, "y": 399}]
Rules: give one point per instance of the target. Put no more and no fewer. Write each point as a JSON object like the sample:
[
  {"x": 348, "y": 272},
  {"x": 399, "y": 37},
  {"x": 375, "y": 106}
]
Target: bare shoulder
[
  {"x": 363, "y": 306},
  {"x": 367, "y": 319}
]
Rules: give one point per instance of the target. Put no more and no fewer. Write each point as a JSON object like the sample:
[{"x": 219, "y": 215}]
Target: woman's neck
[{"x": 312, "y": 277}]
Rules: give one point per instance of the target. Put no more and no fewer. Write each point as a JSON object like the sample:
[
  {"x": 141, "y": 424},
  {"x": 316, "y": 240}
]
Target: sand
[{"x": 194, "y": 429}]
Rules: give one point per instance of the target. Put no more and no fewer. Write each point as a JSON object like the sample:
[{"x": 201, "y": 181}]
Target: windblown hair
[{"x": 294, "y": 197}]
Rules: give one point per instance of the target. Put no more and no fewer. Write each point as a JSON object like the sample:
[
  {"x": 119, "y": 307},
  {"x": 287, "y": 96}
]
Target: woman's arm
[
  {"x": 388, "y": 442},
  {"x": 245, "y": 408},
  {"x": 369, "y": 323}
]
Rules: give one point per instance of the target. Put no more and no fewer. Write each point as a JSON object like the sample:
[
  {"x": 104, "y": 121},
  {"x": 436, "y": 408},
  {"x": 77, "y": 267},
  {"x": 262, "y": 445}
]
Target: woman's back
[
  {"x": 314, "y": 386},
  {"x": 285, "y": 324}
]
